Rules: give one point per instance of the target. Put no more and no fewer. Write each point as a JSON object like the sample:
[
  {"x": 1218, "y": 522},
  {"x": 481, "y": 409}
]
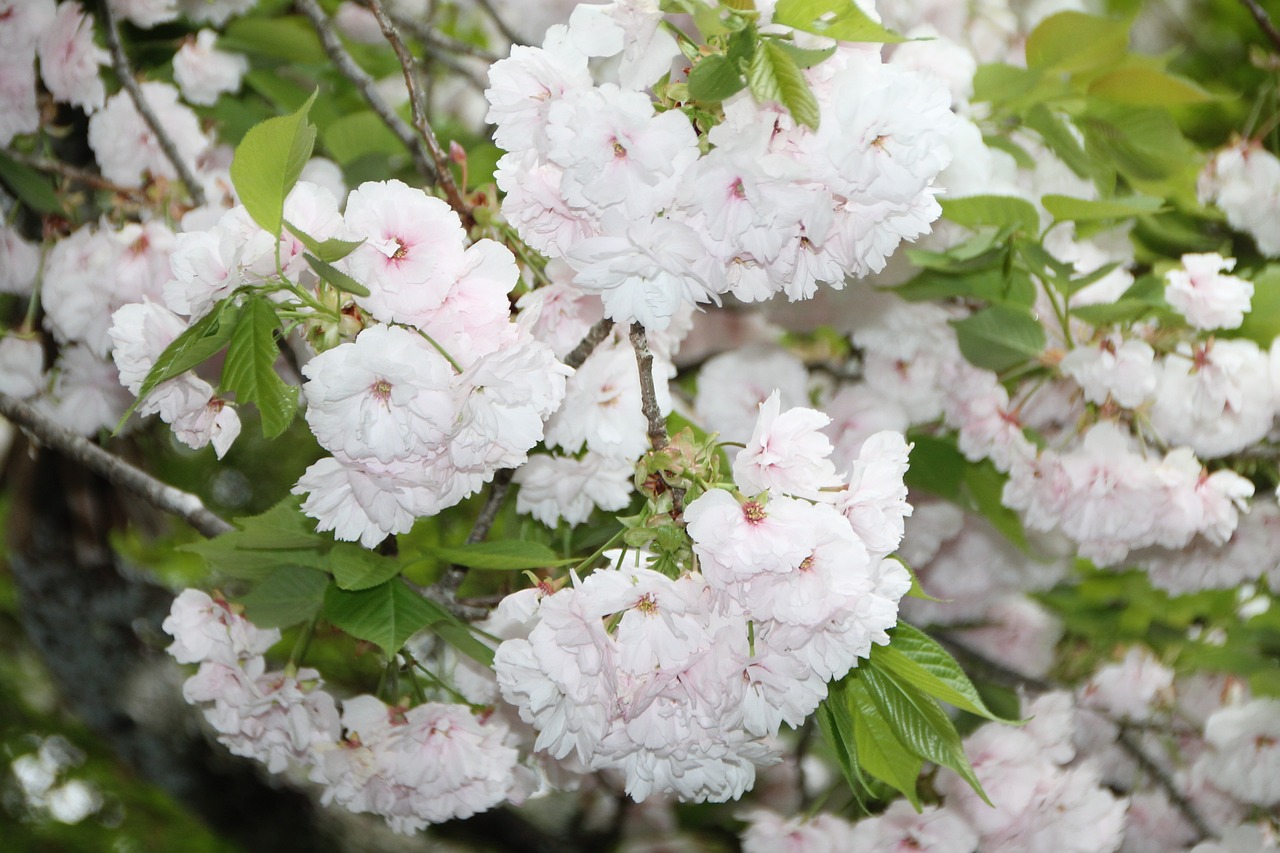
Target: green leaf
[
  {"x": 836, "y": 724},
  {"x": 200, "y": 341},
  {"x": 268, "y": 161},
  {"x": 287, "y": 596},
  {"x": 250, "y": 372},
  {"x": 715, "y": 78},
  {"x": 329, "y": 250},
  {"x": 881, "y": 752},
  {"x": 1000, "y": 337},
  {"x": 984, "y": 486},
  {"x": 919, "y": 723},
  {"x": 774, "y": 76},
  {"x": 503, "y": 555},
  {"x": 1068, "y": 209},
  {"x": 804, "y": 57},
  {"x": 31, "y": 188},
  {"x": 1143, "y": 143},
  {"x": 837, "y": 19},
  {"x": 335, "y": 276},
  {"x": 358, "y": 135},
  {"x": 1262, "y": 324},
  {"x": 281, "y": 536},
  {"x": 998, "y": 83},
  {"x": 937, "y": 466},
  {"x": 916, "y": 658},
  {"x": 385, "y": 615},
  {"x": 1056, "y": 133},
  {"x": 1147, "y": 87},
  {"x": 1121, "y": 311},
  {"x": 1074, "y": 42},
  {"x": 289, "y": 38},
  {"x": 355, "y": 568},
  {"x": 997, "y": 210}
]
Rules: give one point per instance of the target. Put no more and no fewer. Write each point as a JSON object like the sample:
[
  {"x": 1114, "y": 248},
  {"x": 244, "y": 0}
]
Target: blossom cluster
[{"x": 599, "y": 175}]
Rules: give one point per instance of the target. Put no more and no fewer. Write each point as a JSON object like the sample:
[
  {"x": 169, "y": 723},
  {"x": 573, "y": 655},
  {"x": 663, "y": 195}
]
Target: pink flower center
[
  {"x": 753, "y": 512},
  {"x": 381, "y": 390},
  {"x": 401, "y": 252},
  {"x": 648, "y": 605}
]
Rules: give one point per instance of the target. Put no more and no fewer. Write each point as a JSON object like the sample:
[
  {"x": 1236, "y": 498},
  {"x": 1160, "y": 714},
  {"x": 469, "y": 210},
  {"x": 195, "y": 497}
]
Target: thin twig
[
  {"x": 365, "y": 86},
  {"x": 439, "y": 41},
  {"x": 46, "y": 431},
  {"x": 507, "y": 33},
  {"x": 1265, "y": 23},
  {"x": 658, "y": 438},
  {"x": 121, "y": 64},
  {"x": 444, "y": 175},
  {"x": 73, "y": 173},
  {"x": 1002, "y": 674},
  {"x": 597, "y": 333}
]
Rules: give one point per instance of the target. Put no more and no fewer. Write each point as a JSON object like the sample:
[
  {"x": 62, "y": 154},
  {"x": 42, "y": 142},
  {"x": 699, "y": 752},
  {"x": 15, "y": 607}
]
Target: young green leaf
[
  {"x": 1147, "y": 87},
  {"x": 1074, "y": 41},
  {"x": 385, "y": 615},
  {"x": 837, "y": 19},
  {"x": 881, "y": 752},
  {"x": 501, "y": 555},
  {"x": 774, "y": 76},
  {"x": 916, "y": 658},
  {"x": 355, "y": 568},
  {"x": 200, "y": 341},
  {"x": 250, "y": 372},
  {"x": 329, "y": 250},
  {"x": 715, "y": 78},
  {"x": 287, "y": 596},
  {"x": 281, "y": 536},
  {"x": 268, "y": 161},
  {"x": 335, "y": 276},
  {"x": 978, "y": 210},
  {"x": 1000, "y": 337},
  {"x": 1065, "y": 208}
]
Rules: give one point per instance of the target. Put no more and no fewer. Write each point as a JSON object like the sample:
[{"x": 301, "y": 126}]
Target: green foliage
[
  {"x": 501, "y": 555},
  {"x": 269, "y": 160},
  {"x": 1000, "y": 337},
  {"x": 837, "y": 19},
  {"x": 30, "y": 187},
  {"x": 335, "y": 276},
  {"x": 773, "y": 75},
  {"x": 999, "y": 211},
  {"x": 286, "y": 596},
  {"x": 249, "y": 370}
]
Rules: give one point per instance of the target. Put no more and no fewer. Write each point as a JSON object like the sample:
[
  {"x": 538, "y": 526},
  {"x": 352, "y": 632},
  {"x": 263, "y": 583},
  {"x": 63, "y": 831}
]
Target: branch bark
[
  {"x": 115, "y": 470},
  {"x": 364, "y": 84},
  {"x": 658, "y": 438},
  {"x": 73, "y": 173},
  {"x": 121, "y": 64},
  {"x": 409, "y": 65},
  {"x": 1265, "y": 23}
]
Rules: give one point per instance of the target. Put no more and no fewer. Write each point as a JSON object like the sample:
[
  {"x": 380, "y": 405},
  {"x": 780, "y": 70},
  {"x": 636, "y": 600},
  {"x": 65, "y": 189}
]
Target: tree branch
[
  {"x": 115, "y": 470},
  {"x": 595, "y": 335},
  {"x": 507, "y": 33},
  {"x": 444, "y": 175},
  {"x": 73, "y": 173},
  {"x": 439, "y": 41},
  {"x": 1264, "y": 21},
  {"x": 121, "y": 64},
  {"x": 365, "y": 86},
  {"x": 658, "y": 438}
]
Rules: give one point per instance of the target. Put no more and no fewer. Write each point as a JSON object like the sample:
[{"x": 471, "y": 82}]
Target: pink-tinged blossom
[
  {"x": 900, "y": 829},
  {"x": 559, "y": 314},
  {"x": 857, "y": 413},
  {"x": 364, "y": 501},
  {"x": 215, "y": 12},
  {"x": 207, "y": 629},
  {"x": 475, "y": 318},
  {"x": 1208, "y": 299},
  {"x": 787, "y": 453},
  {"x": 769, "y": 832},
  {"x": 1245, "y": 759},
  {"x": 1196, "y": 501},
  {"x": 69, "y": 59},
  {"x": 644, "y": 269},
  {"x": 1243, "y": 180},
  {"x": 534, "y": 205},
  {"x": 210, "y": 265},
  {"x": 1216, "y": 397},
  {"x": 21, "y": 366},
  {"x": 523, "y": 88},
  {"x": 735, "y": 540},
  {"x": 875, "y": 501},
  {"x": 22, "y": 22},
  {"x": 386, "y": 396},
  {"x": 1251, "y": 552},
  {"x": 1019, "y": 633},
  {"x": 1132, "y": 689},
  {"x": 86, "y": 395},
  {"x": 203, "y": 72},
  {"x": 563, "y": 487},
  {"x": 631, "y": 28},
  {"x": 978, "y": 406},
  {"x": 19, "y": 113},
  {"x": 1122, "y": 369},
  {"x": 76, "y": 290},
  {"x": 145, "y": 13},
  {"x": 125, "y": 146},
  {"x": 216, "y": 423},
  {"x": 732, "y": 385}
]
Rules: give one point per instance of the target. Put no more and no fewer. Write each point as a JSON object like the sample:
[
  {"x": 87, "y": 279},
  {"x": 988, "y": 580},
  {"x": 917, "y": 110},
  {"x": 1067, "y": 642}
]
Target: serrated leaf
[
  {"x": 30, "y": 187},
  {"x": 1056, "y": 133},
  {"x": 287, "y": 596},
  {"x": 355, "y": 568},
  {"x": 836, "y": 724},
  {"x": 198, "y": 342},
  {"x": 919, "y": 723},
  {"x": 998, "y": 210},
  {"x": 1068, "y": 209},
  {"x": 805, "y": 57},
  {"x": 269, "y": 160},
  {"x": 250, "y": 371},
  {"x": 919, "y": 660},
  {"x": 715, "y": 78},
  {"x": 1000, "y": 337},
  {"x": 281, "y": 536},
  {"x": 385, "y": 615},
  {"x": 881, "y": 753},
  {"x": 1074, "y": 41},
  {"x": 837, "y": 19},
  {"x": 335, "y": 276},
  {"x": 501, "y": 555},
  {"x": 1147, "y": 87},
  {"x": 329, "y": 250},
  {"x": 774, "y": 76}
]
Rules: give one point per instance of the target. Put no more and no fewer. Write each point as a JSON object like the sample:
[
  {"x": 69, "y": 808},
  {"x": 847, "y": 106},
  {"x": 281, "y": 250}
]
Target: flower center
[
  {"x": 381, "y": 390},
  {"x": 753, "y": 512}
]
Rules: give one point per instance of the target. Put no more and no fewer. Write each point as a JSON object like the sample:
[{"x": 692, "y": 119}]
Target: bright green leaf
[
  {"x": 774, "y": 76},
  {"x": 250, "y": 372},
  {"x": 715, "y": 78},
  {"x": 358, "y": 135},
  {"x": 329, "y": 250},
  {"x": 289, "y": 38},
  {"x": 836, "y": 723},
  {"x": 1068, "y": 209},
  {"x": 287, "y": 596},
  {"x": 1061, "y": 139},
  {"x": 501, "y": 555},
  {"x": 335, "y": 276},
  {"x": 385, "y": 615},
  {"x": 998, "y": 210},
  {"x": 918, "y": 659},
  {"x": 1074, "y": 41},
  {"x": 997, "y": 83},
  {"x": 1000, "y": 337},
  {"x": 281, "y": 536},
  {"x": 1147, "y": 87},
  {"x": 881, "y": 753},
  {"x": 937, "y": 466},
  {"x": 837, "y": 19},
  {"x": 200, "y": 341},
  {"x": 355, "y": 568},
  {"x": 1262, "y": 323},
  {"x": 269, "y": 160}
]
